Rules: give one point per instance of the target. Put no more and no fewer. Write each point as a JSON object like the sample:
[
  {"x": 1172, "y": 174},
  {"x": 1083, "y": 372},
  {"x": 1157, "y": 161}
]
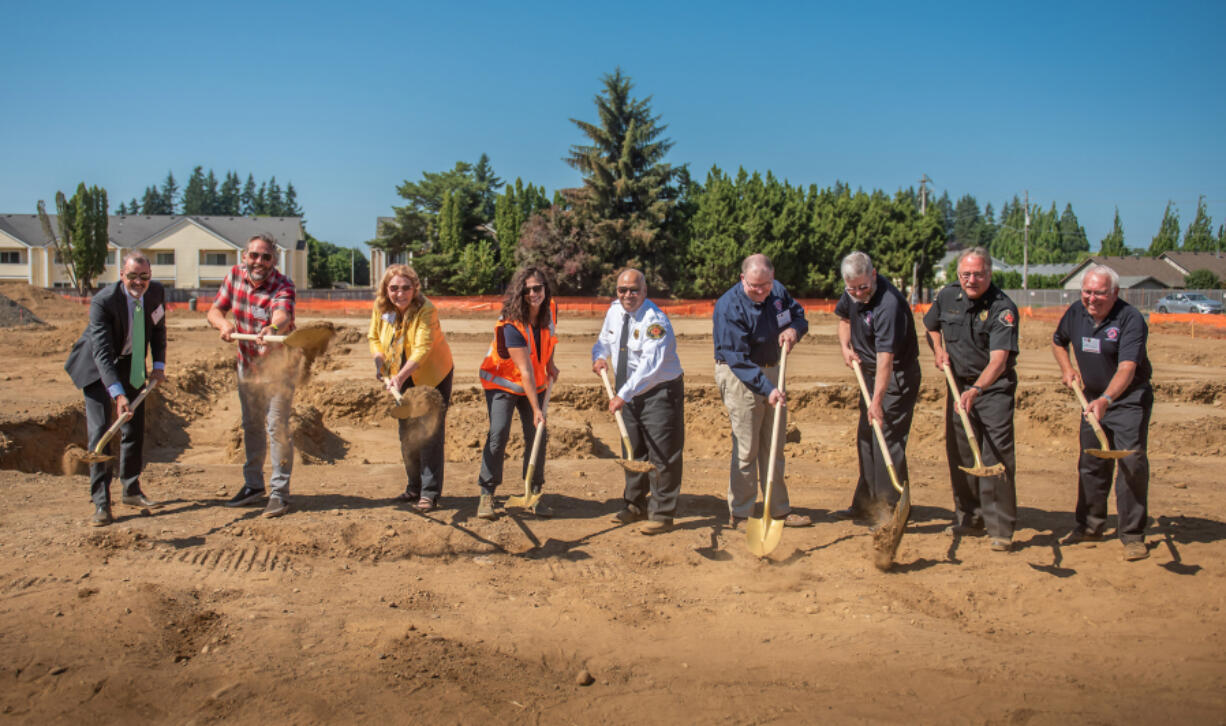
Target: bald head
[
  {"x": 757, "y": 277},
  {"x": 631, "y": 289}
]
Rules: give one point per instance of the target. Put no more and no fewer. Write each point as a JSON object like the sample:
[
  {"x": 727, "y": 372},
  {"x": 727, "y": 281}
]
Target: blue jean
[
  {"x": 424, "y": 461},
  {"x": 266, "y": 407},
  {"x": 502, "y": 406}
]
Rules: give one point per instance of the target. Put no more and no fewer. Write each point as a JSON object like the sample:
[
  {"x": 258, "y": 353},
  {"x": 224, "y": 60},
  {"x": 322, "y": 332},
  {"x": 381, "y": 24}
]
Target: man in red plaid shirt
[{"x": 263, "y": 303}]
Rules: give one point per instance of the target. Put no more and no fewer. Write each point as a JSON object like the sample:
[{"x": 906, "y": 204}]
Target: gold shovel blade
[
  {"x": 402, "y": 411},
  {"x": 94, "y": 457},
  {"x": 1110, "y": 453},
  {"x": 889, "y": 534},
  {"x": 309, "y": 337},
  {"x": 527, "y": 501},
  {"x": 993, "y": 470},
  {"x": 762, "y": 535}
]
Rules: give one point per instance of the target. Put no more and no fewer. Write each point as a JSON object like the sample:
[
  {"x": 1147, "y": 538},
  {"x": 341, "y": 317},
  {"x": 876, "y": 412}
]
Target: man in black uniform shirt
[
  {"x": 876, "y": 328},
  {"x": 978, "y": 323},
  {"x": 1109, "y": 340}
]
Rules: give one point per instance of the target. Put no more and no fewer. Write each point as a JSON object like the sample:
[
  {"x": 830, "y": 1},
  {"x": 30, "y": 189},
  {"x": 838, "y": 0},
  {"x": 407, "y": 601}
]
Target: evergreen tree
[
  {"x": 259, "y": 206},
  {"x": 228, "y": 199},
  {"x": 487, "y": 184},
  {"x": 968, "y": 228},
  {"x": 1199, "y": 237},
  {"x": 628, "y": 193},
  {"x": 170, "y": 194},
  {"x": 133, "y": 207},
  {"x": 1202, "y": 280},
  {"x": 1113, "y": 243},
  {"x": 1073, "y": 240},
  {"x": 83, "y": 233},
  {"x": 152, "y": 202},
  {"x": 123, "y": 209},
  {"x": 1168, "y": 232},
  {"x": 194, "y": 194},
  {"x": 274, "y": 202},
  {"x": 212, "y": 197},
  {"x": 247, "y": 200},
  {"x": 948, "y": 217},
  {"x": 291, "y": 207}
]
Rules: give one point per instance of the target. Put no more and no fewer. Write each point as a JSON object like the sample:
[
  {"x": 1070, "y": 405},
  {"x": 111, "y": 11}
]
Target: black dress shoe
[
  {"x": 140, "y": 500},
  {"x": 849, "y": 513},
  {"x": 102, "y": 516},
  {"x": 632, "y": 513}
]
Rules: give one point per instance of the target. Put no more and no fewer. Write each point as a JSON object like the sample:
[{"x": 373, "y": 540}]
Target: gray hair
[
  {"x": 979, "y": 252},
  {"x": 1107, "y": 272},
  {"x": 263, "y": 237},
  {"x": 857, "y": 264},
  {"x": 757, "y": 260},
  {"x": 134, "y": 256}
]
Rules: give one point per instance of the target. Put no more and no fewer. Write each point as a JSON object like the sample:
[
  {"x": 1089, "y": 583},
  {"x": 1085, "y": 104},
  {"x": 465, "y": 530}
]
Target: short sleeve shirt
[
  {"x": 972, "y": 329},
  {"x": 882, "y": 325},
  {"x": 1099, "y": 347}
]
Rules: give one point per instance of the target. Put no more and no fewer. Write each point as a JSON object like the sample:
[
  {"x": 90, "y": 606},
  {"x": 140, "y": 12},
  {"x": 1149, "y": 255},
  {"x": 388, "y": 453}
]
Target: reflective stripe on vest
[{"x": 511, "y": 386}]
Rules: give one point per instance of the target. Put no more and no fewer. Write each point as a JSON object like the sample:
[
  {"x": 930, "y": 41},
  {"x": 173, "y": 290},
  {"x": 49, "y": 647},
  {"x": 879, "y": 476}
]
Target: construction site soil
[{"x": 354, "y": 608}]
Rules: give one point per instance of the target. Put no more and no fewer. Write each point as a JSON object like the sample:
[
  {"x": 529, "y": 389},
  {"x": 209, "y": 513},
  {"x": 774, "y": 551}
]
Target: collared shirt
[
  {"x": 747, "y": 333},
  {"x": 116, "y": 389},
  {"x": 651, "y": 347},
  {"x": 882, "y": 325},
  {"x": 1099, "y": 347},
  {"x": 253, "y": 306},
  {"x": 972, "y": 329}
]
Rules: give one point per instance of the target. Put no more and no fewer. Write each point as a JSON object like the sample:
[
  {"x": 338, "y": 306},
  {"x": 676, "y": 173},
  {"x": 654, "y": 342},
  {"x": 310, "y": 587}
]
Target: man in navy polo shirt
[
  {"x": 1109, "y": 340},
  {"x": 876, "y": 329}
]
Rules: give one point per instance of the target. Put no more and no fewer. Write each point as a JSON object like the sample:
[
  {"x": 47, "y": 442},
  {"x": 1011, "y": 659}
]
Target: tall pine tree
[
  {"x": 1113, "y": 244},
  {"x": 1199, "y": 237},
  {"x": 1167, "y": 238}
]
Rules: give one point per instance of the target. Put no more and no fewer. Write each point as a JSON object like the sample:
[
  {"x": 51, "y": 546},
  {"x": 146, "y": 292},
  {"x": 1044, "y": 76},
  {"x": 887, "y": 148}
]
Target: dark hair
[{"x": 514, "y": 307}]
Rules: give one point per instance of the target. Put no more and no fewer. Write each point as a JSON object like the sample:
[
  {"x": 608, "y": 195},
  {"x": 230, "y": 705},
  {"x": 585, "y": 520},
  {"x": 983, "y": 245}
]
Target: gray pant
[
  {"x": 752, "y": 419},
  {"x": 99, "y": 413},
  {"x": 655, "y": 421},
  {"x": 502, "y": 406},
  {"x": 266, "y": 408},
  {"x": 424, "y": 460}
]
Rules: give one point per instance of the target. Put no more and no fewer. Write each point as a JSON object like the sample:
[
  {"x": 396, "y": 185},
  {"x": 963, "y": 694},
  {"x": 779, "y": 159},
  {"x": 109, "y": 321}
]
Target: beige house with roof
[{"x": 184, "y": 251}]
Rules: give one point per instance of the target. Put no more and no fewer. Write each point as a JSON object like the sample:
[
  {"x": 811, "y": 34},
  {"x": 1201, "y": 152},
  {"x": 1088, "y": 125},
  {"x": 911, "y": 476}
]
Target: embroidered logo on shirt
[
  {"x": 983, "y": 316},
  {"x": 1006, "y": 317},
  {"x": 1113, "y": 333},
  {"x": 868, "y": 317},
  {"x": 655, "y": 331}
]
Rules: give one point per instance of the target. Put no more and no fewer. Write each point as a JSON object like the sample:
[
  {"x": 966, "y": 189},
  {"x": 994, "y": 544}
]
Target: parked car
[{"x": 1188, "y": 302}]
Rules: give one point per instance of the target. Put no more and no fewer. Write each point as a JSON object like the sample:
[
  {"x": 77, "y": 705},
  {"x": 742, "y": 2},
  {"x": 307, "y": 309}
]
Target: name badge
[
  {"x": 783, "y": 318},
  {"x": 389, "y": 318},
  {"x": 158, "y": 313},
  {"x": 1091, "y": 345},
  {"x": 259, "y": 313}
]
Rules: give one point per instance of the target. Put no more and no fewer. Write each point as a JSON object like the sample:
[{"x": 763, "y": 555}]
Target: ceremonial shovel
[
  {"x": 1106, "y": 452},
  {"x": 889, "y": 534},
  {"x": 312, "y": 337},
  {"x": 96, "y": 456},
  {"x": 762, "y": 534},
  {"x": 529, "y": 500},
  {"x": 978, "y": 469},
  {"x": 627, "y": 463}
]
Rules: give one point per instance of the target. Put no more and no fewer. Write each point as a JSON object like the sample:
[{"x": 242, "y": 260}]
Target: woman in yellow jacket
[
  {"x": 515, "y": 375},
  {"x": 409, "y": 350}
]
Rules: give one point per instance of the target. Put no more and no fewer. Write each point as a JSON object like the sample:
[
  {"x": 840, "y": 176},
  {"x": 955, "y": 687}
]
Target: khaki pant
[{"x": 752, "y": 419}]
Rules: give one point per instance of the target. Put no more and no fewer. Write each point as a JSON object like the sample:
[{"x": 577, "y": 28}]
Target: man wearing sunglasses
[
  {"x": 876, "y": 329},
  {"x": 126, "y": 320},
  {"x": 637, "y": 337},
  {"x": 263, "y": 303}
]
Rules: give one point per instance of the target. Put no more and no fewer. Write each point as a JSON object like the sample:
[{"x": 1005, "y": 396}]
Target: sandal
[{"x": 425, "y": 505}]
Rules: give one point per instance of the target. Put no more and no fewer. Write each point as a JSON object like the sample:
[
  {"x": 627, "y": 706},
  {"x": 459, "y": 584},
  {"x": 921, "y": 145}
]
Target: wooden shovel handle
[
  {"x": 110, "y": 432},
  {"x": 267, "y": 338},
  {"x": 1094, "y": 424},
  {"x": 621, "y": 422},
  {"x": 536, "y": 446},
  {"x": 775, "y": 431},
  {"x": 966, "y": 420},
  {"x": 885, "y": 449}
]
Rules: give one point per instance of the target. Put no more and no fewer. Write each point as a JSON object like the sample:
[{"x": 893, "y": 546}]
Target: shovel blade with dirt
[
  {"x": 97, "y": 456},
  {"x": 308, "y": 338},
  {"x": 888, "y": 535},
  {"x": 1106, "y": 452}
]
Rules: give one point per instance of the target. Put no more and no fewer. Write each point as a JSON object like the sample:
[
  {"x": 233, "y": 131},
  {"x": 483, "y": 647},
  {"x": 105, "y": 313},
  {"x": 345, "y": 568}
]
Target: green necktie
[{"x": 137, "y": 373}]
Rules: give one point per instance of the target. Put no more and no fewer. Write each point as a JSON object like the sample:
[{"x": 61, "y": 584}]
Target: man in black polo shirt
[
  {"x": 972, "y": 326},
  {"x": 1108, "y": 337},
  {"x": 876, "y": 328}
]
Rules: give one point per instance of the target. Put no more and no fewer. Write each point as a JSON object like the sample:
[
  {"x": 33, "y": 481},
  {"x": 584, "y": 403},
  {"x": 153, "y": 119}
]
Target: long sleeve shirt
[{"x": 747, "y": 333}]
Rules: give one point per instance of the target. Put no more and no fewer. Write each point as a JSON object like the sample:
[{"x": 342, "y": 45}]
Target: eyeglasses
[
  {"x": 134, "y": 276},
  {"x": 1096, "y": 293},
  {"x": 627, "y": 291},
  {"x": 859, "y": 288},
  {"x": 533, "y": 289},
  {"x": 266, "y": 256},
  {"x": 400, "y": 288},
  {"x": 972, "y": 275}
]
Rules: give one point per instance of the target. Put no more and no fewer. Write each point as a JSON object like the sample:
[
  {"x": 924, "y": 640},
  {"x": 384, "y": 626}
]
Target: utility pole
[
  {"x": 1026, "y": 245},
  {"x": 352, "y": 251},
  {"x": 923, "y": 213}
]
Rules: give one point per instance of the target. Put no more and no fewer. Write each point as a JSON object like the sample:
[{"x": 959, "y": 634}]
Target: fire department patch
[
  {"x": 655, "y": 331},
  {"x": 1113, "y": 333},
  {"x": 1007, "y": 318}
]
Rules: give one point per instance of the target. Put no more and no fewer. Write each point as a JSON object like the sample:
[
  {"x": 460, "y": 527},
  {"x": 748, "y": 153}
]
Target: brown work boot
[
  {"x": 657, "y": 526},
  {"x": 1134, "y": 551},
  {"x": 485, "y": 507}
]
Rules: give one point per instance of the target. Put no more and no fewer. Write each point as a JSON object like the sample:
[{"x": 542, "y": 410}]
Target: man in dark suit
[{"x": 126, "y": 320}]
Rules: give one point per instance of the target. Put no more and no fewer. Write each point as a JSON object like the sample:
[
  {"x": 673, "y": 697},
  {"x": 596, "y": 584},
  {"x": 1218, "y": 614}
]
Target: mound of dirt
[
  {"x": 13, "y": 314},
  {"x": 45, "y": 304},
  {"x": 314, "y": 442}
]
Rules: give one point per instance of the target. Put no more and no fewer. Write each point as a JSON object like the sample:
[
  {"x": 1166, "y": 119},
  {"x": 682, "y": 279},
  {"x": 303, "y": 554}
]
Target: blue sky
[{"x": 1097, "y": 104}]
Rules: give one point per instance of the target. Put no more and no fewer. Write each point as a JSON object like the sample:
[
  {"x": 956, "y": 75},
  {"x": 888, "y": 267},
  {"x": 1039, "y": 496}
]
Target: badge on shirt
[
  {"x": 783, "y": 318},
  {"x": 1007, "y": 319},
  {"x": 1091, "y": 345},
  {"x": 158, "y": 313},
  {"x": 1113, "y": 333},
  {"x": 636, "y": 333},
  {"x": 389, "y": 318},
  {"x": 655, "y": 331},
  {"x": 259, "y": 313},
  {"x": 983, "y": 316}
]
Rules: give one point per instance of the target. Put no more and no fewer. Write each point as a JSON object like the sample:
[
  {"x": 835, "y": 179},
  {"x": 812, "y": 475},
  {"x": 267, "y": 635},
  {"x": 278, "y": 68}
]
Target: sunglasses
[
  {"x": 134, "y": 276},
  {"x": 400, "y": 288},
  {"x": 265, "y": 256},
  {"x": 627, "y": 291},
  {"x": 859, "y": 288},
  {"x": 533, "y": 289}
]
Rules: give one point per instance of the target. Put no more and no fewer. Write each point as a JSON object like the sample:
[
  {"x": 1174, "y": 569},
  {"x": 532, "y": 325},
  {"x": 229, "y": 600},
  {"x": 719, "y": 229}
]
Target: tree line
[
  {"x": 689, "y": 235},
  {"x": 205, "y": 195}
]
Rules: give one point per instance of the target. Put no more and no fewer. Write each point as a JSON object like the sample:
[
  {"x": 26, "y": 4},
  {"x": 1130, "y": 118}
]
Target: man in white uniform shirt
[{"x": 637, "y": 341}]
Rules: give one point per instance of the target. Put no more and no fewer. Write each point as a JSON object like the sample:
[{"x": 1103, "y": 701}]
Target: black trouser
[
  {"x": 424, "y": 460},
  {"x": 1126, "y": 424},
  {"x": 898, "y": 406},
  {"x": 990, "y": 500},
  {"x": 501, "y": 406},
  {"x": 655, "y": 421},
  {"x": 99, "y": 413}
]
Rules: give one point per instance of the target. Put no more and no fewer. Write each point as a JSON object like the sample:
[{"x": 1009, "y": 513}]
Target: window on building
[
  {"x": 164, "y": 258},
  {"x": 215, "y": 258},
  {"x": 112, "y": 257},
  {"x": 10, "y": 257}
]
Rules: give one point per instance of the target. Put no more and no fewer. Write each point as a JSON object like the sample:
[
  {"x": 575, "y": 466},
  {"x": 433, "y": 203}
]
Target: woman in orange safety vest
[{"x": 516, "y": 375}]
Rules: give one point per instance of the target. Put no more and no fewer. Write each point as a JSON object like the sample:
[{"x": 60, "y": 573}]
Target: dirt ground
[{"x": 353, "y": 608}]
